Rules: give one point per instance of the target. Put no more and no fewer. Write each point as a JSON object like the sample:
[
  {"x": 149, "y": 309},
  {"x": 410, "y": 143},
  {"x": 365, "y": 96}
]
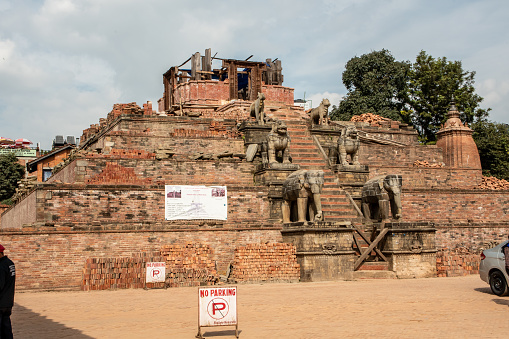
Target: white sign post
[
  {"x": 156, "y": 272},
  {"x": 217, "y": 306}
]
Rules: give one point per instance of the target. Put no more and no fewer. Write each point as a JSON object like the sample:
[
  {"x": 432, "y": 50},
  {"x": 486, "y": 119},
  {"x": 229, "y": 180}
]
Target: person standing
[{"x": 7, "y": 283}]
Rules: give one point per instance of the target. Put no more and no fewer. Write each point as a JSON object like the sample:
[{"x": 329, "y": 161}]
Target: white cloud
[{"x": 64, "y": 63}]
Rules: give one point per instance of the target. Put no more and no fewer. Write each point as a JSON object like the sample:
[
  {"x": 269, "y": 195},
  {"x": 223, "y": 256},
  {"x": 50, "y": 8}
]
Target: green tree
[
  {"x": 433, "y": 84},
  {"x": 492, "y": 141},
  {"x": 10, "y": 173},
  {"x": 376, "y": 83}
]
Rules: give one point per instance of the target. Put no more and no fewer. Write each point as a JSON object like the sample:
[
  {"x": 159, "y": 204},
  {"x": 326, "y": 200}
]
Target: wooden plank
[
  {"x": 364, "y": 255},
  {"x": 317, "y": 142},
  {"x": 363, "y": 236}
]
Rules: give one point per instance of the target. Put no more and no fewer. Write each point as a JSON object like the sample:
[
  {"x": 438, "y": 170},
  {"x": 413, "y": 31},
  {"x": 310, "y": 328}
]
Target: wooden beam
[
  {"x": 363, "y": 236},
  {"x": 364, "y": 255}
]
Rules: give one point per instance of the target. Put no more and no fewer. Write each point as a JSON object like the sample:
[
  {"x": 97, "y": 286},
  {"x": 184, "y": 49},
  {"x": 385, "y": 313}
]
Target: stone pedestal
[
  {"x": 324, "y": 249},
  {"x": 411, "y": 249}
]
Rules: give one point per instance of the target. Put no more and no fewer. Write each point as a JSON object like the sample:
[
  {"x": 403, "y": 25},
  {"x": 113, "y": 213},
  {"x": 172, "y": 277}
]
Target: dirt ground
[{"x": 414, "y": 308}]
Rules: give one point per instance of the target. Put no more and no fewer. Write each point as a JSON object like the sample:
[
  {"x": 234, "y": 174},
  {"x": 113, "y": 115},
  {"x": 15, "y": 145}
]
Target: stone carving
[
  {"x": 319, "y": 114},
  {"x": 348, "y": 146},
  {"x": 257, "y": 109},
  {"x": 277, "y": 145},
  {"x": 380, "y": 193},
  {"x": 301, "y": 196}
]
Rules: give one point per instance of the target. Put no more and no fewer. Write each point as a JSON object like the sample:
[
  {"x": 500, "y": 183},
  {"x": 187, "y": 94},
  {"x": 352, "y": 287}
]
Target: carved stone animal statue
[
  {"x": 257, "y": 109},
  {"x": 301, "y": 196},
  {"x": 319, "y": 114},
  {"x": 348, "y": 145},
  {"x": 380, "y": 193},
  {"x": 277, "y": 145}
]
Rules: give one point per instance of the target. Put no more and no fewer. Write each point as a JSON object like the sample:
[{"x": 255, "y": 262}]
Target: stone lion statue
[
  {"x": 257, "y": 109},
  {"x": 277, "y": 145},
  {"x": 347, "y": 146},
  {"x": 319, "y": 114}
]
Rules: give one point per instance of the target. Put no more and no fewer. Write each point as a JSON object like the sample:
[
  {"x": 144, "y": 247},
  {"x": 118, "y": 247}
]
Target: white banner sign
[
  {"x": 195, "y": 202},
  {"x": 156, "y": 272},
  {"x": 217, "y": 306}
]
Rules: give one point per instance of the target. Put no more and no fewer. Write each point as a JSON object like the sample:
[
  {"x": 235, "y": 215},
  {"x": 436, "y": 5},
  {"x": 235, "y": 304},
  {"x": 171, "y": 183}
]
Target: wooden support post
[
  {"x": 207, "y": 64},
  {"x": 364, "y": 255},
  {"x": 196, "y": 66}
]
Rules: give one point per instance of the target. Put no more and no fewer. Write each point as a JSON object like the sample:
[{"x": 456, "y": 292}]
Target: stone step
[
  {"x": 374, "y": 275},
  {"x": 374, "y": 266}
]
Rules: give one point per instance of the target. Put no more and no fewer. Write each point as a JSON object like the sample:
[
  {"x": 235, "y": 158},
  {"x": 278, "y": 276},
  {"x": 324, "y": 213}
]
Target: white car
[{"x": 492, "y": 269}]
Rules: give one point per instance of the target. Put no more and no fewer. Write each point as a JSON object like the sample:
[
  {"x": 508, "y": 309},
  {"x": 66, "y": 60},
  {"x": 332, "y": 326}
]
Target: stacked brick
[
  {"x": 124, "y": 154},
  {"x": 375, "y": 120},
  {"x": 193, "y": 133},
  {"x": 492, "y": 183},
  {"x": 113, "y": 273},
  {"x": 457, "y": 263},
  {"x": 272, "y": 262},
  {"x": 114, "y": 174},
  {"x": 119, "y": 109},
  {"x": 189, "y": 264},
  {"x": 419, "y": 163}
]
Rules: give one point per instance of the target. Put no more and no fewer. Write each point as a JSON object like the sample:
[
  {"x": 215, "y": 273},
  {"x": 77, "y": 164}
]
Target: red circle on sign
[{"x": 218, "y": 308}]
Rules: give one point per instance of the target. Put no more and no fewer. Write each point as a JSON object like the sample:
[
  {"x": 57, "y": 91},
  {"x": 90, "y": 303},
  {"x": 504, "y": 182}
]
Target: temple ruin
[{"x": 308, "y": 199}]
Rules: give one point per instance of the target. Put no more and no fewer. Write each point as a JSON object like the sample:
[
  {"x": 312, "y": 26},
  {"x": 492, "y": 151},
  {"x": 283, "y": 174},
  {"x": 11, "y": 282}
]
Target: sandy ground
[{"x": 417, "y": 308}]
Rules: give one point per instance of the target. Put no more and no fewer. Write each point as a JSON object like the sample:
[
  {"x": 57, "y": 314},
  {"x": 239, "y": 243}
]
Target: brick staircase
[{"x": 335, "y": 204}]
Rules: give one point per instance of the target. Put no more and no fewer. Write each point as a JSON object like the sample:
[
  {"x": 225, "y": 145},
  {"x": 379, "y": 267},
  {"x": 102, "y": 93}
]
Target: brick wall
[
  {"x": 71, "y": 207},
  {"x": 380, "y": 155},
  {"x": 455, "y": 206},
  {"x": 431, "y": 177},
  {"x": 52, "y": 260},
  {"x": 167, "y": 171},
  {"x": 202, "y": 92},
  {"x": 460, "y": 246},
  {"x": 279, "y": 94},
  {"x": 218, "y": 93},
  {"x": 265, "y": 262}
]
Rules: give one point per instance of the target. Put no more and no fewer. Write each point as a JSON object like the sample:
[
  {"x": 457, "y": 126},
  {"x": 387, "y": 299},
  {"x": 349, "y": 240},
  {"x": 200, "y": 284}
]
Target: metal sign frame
[{"x": 206, "y": 292}]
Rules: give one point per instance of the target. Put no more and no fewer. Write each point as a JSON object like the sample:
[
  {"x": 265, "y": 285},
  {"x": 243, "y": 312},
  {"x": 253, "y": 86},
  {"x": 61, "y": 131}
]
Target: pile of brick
[
  {"x": 113, "y": 273},
  {"x": 492, "y": 183},
  {"x": 194, "y": 133},
  {"x": 457, "y": 263},
  {"x": 265, "y": 262},
  {"x": 189, "y": 264},
  {"x": 369, "y": 118},
  {"x": 114, "y": 174},
  {"x": 120, "y": 109},
  {"x": 123, "y": 154},
  {"x": 419, "y": 163},
  {"x": 24, "y": 187}
]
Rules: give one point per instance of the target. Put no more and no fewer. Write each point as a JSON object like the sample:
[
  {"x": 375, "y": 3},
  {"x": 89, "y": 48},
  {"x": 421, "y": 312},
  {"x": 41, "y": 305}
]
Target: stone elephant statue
[
  {"x": 301, "y": 196},
  {"x": 380, "y": 193}
]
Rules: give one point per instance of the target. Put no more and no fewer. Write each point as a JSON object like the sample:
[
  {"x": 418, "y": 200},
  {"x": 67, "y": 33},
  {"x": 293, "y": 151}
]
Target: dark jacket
[{"x": 7, "y": 282}]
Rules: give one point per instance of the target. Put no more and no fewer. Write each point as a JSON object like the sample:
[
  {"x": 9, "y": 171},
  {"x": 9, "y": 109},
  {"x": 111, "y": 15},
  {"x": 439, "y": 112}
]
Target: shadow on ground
[
  {"x": 212, "y": 334},
  {"x": 40, "y": 327},
  {"x": 501, "y": 301},
  {"x": 486, "y": 290}
]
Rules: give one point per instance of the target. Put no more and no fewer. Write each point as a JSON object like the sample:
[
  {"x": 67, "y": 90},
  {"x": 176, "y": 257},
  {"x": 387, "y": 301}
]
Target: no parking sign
[
  {"x": 156, "y": 272},
  {"x": 217, "y": 306}
]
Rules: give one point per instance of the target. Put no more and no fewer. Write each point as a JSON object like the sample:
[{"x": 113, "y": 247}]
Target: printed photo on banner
[{"x": 186, "y": 202}]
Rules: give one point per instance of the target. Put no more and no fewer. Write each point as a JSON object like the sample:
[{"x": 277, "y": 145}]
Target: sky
[{"x": 65, "y": 63}]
